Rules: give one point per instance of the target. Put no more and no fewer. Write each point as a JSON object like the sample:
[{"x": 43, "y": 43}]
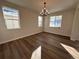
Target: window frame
[
  {"x": 55, "y": 20},
  {"x": 40, "y": 21},
  {"x": 17, "y": 14}
]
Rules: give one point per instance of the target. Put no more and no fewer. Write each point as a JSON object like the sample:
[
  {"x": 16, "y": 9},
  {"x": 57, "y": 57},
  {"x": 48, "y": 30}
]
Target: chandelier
[{"x": 44, "y": 11}]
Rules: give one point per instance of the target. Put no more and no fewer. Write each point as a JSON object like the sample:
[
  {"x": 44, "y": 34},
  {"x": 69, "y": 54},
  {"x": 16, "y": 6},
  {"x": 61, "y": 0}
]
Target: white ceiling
[{"x": 52, "y": 5}]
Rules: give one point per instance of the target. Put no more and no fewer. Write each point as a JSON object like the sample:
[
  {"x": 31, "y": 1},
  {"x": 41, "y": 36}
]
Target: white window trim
[
  {"x": 52, "y": 21},
  {"x": 16, "y": 20},
  {"x": 40, "y": 21}
]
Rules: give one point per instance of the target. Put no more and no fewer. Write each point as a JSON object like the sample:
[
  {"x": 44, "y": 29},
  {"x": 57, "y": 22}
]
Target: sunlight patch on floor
[
  {"x": 37, "y": 53},
  {"x": 71, "y": 50}
]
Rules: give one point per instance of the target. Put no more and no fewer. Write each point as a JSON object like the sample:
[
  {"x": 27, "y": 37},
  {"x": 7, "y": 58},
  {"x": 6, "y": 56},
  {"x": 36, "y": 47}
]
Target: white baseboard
[
  {"x": 18, "y": 38},
  {"x": 73, "y": 39},
  {"x": 58, "y": 34}
]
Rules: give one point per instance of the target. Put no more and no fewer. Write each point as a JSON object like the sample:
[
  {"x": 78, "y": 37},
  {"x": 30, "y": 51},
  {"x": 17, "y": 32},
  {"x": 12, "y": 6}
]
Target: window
[
  {"x": 55, "y": 21},
  {"x": 11, "y": 17},
  {"x": 40, "y": 20}
]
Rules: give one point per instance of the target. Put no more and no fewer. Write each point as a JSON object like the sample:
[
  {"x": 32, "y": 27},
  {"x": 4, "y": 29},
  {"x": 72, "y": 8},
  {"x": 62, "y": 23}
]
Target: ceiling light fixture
[{"x": 44, "y": 11}]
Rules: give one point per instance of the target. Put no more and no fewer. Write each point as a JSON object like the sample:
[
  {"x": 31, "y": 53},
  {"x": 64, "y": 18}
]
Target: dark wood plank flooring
[{"x": 50, "y": 43}]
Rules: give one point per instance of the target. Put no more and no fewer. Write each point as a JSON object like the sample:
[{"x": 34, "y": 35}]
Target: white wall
[
  {"x": 28, "y": 20},
  {"x": 75, "y": 28},
  {"x": 66, "y": 23}
]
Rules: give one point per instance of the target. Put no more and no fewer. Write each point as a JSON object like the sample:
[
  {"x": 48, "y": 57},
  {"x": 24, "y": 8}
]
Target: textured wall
[
  {"x": 67, "y": 21},
  {"x": 28, "y": 22}
]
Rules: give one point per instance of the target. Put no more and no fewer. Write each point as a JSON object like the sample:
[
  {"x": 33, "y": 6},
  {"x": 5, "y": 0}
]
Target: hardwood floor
[{"x": 50, "y": 43}]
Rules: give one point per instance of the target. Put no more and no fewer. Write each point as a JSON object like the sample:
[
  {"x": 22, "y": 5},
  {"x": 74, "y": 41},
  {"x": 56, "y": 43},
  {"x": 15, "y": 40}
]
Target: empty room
[{"x": 39, "y": 29}]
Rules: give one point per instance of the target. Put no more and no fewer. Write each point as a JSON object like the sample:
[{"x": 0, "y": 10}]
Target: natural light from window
[
  {"x": 11, "y": 17},
  {"x": 37, "y": 53},
  {"x": 71, "y": 50},
  {"x": 40, "y": 21},
  {"x": 55, "y": 21}
]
